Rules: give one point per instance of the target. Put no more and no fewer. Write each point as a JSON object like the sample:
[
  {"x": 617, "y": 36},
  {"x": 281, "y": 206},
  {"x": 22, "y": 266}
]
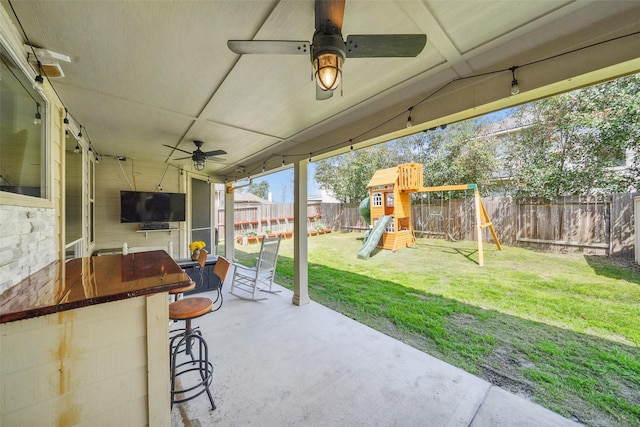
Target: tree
[
  {"x": 459, "y": 154},
  {"x": 570, "y": 143},
  {"x": 260, "y": 189},
  {"x": 346, "y": 176},
  {"x": 455, "y": 155}
]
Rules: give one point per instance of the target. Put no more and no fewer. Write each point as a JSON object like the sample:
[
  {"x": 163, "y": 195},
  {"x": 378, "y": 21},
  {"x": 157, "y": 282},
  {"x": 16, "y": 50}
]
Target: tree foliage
[
  {"x": 455, "y": 155},
  {"x": 260, "y": 189},
  {"x": 570, "y": 144}
]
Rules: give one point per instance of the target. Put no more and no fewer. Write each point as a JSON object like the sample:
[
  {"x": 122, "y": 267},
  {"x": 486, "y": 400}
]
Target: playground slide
[{"x": 374, "y": 237}]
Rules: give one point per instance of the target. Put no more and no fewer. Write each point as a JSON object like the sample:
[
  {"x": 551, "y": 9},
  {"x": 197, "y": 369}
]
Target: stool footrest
[{"x": 196, "y": 370}]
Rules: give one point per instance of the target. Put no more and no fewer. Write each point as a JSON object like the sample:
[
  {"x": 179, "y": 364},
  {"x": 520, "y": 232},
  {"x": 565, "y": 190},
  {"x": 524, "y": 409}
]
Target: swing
[{"x": 433, "y": 213}]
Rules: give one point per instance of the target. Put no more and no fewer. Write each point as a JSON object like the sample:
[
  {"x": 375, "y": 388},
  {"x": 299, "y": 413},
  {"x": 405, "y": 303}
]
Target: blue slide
[{"x": 374, "y": 237}]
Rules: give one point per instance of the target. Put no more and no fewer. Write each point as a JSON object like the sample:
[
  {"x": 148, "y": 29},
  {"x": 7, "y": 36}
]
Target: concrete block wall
[{"x": 27, "y": 242}]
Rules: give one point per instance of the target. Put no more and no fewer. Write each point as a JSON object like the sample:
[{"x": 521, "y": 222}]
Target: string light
[
  {"x": 515, "y": 89},
  {"x": 409, "y": 120},
  {"x": 80, "y": 132},
  {"x": 77, "y": 149},
  {"x": 66, "y": 119},
  {"x": 39, "y": 79},
  {"x": 283, "y": 161},
  {"x": 37, "y": 119}
]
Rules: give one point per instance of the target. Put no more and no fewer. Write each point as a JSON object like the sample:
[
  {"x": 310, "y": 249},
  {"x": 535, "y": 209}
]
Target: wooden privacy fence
[{"x": 602, "y": 225}]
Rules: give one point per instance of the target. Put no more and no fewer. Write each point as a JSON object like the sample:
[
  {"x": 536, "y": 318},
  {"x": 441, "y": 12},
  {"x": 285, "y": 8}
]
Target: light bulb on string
[
  {"x": 409, "y": 119},
  {"x": 37, "y": 119},
  {"x": 515, "y": 88}
]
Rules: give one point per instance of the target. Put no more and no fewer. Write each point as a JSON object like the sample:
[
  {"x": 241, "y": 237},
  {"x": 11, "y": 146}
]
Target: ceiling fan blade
[
  {"x": 183, "y": 158},
  {"x": 269, "y": 47},
  {"x": 216, "y": 159},
  {"x": 214, "y": 153},
  {"x": 176, "y": 148},
  {"x": 321, "y": 95},
  {"x": 385, "y": 45}
]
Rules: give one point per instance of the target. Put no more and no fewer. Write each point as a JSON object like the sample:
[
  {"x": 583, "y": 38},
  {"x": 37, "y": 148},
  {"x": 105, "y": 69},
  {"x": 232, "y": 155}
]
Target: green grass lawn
[{"x": 560, "y": 329}]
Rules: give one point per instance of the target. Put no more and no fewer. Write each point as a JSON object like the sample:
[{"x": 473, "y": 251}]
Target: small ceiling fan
[
  {"x": 328, "y": 50},
  {"x": 198, "y": 156}
]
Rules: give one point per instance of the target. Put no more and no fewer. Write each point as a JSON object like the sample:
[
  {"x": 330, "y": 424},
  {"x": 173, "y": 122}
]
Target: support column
[
  {"x": 229, "y": 229},
  {"x": 300, "y": 250}
]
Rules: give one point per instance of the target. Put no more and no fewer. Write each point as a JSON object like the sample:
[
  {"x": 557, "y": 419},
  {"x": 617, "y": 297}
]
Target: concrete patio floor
[{"x": 277, "y": 364}]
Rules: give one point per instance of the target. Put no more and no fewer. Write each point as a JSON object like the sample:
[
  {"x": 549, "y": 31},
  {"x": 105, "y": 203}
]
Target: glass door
[{"x": 201, "y": 213}]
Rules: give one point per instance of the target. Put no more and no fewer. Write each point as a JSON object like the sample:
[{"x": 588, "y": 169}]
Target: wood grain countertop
[{"x": 80, "y": 282}]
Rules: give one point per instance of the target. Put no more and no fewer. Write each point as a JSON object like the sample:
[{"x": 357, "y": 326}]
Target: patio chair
[{"x": 248, "y": 280}]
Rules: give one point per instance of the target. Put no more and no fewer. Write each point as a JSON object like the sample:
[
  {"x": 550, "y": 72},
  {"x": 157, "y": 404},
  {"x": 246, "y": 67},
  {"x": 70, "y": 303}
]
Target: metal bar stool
[{"x": 193, "y": 345}]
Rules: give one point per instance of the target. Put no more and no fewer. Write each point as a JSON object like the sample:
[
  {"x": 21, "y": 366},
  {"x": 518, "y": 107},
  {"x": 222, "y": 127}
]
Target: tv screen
[{"x": 140, "y": 206}]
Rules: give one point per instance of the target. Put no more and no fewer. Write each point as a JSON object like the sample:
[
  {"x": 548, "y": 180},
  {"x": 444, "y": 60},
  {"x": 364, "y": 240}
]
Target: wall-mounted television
[{"x": 150, "y": 207}]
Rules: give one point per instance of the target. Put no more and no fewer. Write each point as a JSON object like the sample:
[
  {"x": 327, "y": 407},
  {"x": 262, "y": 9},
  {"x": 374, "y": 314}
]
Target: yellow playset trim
[{"x": 390, "y": 200}]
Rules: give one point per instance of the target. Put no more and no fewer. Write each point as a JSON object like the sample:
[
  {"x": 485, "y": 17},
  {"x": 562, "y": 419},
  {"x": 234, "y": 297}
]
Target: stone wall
[{"x": 27, "y": 242}]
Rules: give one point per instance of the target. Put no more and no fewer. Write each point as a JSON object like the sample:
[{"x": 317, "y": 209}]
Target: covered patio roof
[{"x": 147, "y": 75}]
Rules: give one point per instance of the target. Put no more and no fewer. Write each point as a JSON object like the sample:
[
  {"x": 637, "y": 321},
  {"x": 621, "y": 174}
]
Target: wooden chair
[
  {"x": 259, "y": 278},
  {"x": 221, "y": 269}
]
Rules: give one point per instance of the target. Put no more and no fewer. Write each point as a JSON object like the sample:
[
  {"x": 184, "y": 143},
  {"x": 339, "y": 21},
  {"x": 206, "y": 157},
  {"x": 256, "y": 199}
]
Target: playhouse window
[
  {"x": 389, "y": 200},
  {"x": 377, "y": 199},
  {"x": 391, "y": 227}
]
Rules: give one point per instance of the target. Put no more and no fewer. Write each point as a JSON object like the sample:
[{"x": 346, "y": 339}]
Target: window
[
  {"x": 377, "y": 199},
  {"x": 389, "y": 200},
  {"x": 22, "y": 141}
]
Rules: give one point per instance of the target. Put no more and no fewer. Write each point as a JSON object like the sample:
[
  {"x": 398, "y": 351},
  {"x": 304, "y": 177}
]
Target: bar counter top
[{"x": 80, "y": 282}]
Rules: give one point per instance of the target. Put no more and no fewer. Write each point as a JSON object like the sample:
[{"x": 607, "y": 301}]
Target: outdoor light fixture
[
  {"x": 198, "y": 162},
  {"x": 37, "y": 119},
  {"x": 77, "y": 149},
  {"x": 80, "y": 132},
  {"x": 409, "y": 120},
  {"x": 66, "y": 118},
  {"x": 328, "y": 53},
  {"x": 515, "y": 89}
]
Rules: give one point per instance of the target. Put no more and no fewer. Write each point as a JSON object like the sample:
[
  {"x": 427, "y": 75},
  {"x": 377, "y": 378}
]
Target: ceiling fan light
[
  {"x": 198, "y": 164},
  {"x": 328, "y": 68}
]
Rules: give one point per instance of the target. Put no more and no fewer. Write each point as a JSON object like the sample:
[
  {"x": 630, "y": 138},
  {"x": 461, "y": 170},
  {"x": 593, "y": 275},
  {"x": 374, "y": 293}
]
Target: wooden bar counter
[{"x": 86, "y": 342}]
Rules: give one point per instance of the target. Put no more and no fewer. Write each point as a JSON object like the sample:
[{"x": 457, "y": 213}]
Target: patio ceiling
[{"x": 144, "y": 74}]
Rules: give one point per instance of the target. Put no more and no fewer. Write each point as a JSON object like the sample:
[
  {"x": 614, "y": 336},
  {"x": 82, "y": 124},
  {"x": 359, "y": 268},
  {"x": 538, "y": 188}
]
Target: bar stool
[
  {"x": 194, "y": 346},
  {"x": 177, "y": 293},
  {"x": 191, "y": 342}
]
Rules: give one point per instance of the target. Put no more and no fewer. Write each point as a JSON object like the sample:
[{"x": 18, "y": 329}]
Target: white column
[
  {"x": 229, "y": 229},
  {"x": 300, "y": 261}
]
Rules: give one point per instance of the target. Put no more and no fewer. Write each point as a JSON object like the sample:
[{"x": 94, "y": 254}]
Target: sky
[{"x": 281, "y": 183}]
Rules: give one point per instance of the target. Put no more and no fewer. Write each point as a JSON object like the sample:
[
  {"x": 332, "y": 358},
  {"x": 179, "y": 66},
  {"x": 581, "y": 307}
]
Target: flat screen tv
[{"x": 150, "y": 207}]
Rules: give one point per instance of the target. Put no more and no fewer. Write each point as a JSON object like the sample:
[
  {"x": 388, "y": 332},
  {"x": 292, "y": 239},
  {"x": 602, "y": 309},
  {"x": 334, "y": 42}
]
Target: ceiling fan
[
  {"x": 198, "y": 156},
  {"x": 328, "y": 50}
]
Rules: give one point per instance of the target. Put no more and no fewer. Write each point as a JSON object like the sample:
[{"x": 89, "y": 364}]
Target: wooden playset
[{"x": 390, "y": 206}]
